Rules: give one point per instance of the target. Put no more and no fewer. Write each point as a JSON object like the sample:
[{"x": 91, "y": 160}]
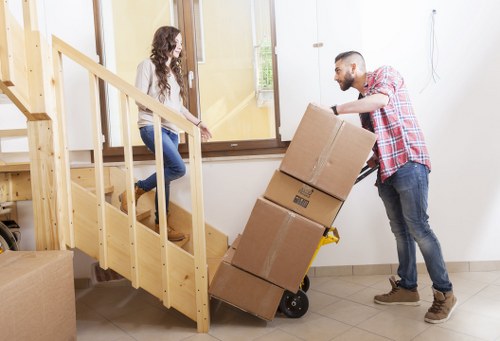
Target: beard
[{"x": 347, "y": 83}]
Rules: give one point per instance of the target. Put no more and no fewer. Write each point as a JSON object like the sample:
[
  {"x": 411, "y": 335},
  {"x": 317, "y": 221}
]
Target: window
[{"x": 229, "y": 69}]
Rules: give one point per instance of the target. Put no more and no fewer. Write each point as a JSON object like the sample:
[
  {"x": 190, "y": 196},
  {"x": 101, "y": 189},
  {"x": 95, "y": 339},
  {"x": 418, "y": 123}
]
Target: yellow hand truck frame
[{"x": 295, "y": 305}]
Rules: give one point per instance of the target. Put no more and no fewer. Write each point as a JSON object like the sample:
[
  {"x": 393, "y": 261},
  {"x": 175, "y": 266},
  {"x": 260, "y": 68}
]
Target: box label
[{"x": 300, "y": 201}]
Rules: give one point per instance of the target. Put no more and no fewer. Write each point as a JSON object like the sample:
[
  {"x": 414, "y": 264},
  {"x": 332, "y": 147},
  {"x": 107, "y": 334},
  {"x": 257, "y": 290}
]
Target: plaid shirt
[{"x": 399, "y": 137}]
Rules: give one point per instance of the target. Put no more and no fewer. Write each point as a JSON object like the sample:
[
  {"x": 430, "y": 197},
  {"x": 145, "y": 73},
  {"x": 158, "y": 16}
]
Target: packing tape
[
  {"x": 282, "y": 232},
  {"x": 325, "y": 153}
]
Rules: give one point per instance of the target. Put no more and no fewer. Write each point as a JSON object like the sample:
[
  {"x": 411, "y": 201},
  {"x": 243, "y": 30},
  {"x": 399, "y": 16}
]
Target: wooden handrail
[{"x": 131, "y": 91}]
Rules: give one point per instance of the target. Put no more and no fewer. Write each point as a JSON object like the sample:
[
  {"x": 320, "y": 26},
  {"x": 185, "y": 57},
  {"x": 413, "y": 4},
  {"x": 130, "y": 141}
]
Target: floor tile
[
  {"x": 469, "y": 323},
  {"x": 437, "y": 333},
  {"x": 348, "y": 312},
  {"x": 355, "y": 334},
  {"x": 340, "y": 308},
  {"x": 339, "y": 288},
  {"x": 277, "y": 335},
  {"x": 394, "y": 327},
  {"x": 314, "y": 327}
]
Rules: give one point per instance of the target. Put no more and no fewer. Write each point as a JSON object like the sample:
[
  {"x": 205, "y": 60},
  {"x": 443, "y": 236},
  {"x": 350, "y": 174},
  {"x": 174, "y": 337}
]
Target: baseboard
[{"x": 391, "y": 269}]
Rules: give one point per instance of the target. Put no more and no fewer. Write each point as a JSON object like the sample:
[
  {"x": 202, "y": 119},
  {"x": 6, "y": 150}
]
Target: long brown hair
[{"x": 163, "y": 45}]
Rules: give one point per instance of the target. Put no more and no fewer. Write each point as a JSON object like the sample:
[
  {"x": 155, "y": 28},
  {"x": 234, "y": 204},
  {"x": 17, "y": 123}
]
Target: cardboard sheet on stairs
[
  {"x": 327, "y": 152},
  {"x": 277, "y": 244}
]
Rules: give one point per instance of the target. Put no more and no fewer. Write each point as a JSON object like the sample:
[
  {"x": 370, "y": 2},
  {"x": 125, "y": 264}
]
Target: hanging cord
[{"x": 433, "y": 52}]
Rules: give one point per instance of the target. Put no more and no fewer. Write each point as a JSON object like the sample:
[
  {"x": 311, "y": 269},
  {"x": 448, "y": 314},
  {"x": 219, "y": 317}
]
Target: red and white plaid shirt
[{"x": 399, "y": 137}]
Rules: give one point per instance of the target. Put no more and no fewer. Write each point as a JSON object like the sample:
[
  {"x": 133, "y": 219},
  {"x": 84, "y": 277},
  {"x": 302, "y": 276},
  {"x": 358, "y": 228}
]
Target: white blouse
[{"x": 147, "y": 81}]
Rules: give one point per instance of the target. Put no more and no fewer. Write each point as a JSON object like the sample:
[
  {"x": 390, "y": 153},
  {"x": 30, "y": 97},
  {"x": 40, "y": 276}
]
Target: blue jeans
[
  {"x": 173, "y": 166},
  {"x": 405, "y": 198}
]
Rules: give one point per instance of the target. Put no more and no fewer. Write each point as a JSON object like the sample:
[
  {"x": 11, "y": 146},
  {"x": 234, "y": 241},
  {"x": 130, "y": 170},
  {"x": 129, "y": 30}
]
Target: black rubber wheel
[
  {"x": 8, "y": 238},
  {"x": 294, "y": 305},
  {"x": 306, "y": 284}
]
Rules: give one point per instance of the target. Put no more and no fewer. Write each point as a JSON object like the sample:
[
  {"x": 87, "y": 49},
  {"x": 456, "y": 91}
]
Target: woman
[{"x": 160, "y": 76}]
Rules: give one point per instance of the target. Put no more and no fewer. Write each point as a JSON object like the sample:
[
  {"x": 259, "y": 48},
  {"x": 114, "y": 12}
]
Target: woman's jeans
[
  {"x": 405, "y": 198},
  {"x": 173, "y": 166}
]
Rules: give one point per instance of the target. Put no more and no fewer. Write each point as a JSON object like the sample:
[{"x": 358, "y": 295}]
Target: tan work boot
[
  {"x": 398, "y": 295},
  {"x": 123, "y": 198},
  {"x": 173, "y": 235},
  {"x": 442, "y": 307}
]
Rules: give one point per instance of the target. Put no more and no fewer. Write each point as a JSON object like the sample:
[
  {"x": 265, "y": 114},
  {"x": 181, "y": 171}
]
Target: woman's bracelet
[{"x": 198, "y": 124}]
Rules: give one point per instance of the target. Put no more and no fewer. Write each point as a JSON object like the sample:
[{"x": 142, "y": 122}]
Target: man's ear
[{"x": 354, "y": 67}]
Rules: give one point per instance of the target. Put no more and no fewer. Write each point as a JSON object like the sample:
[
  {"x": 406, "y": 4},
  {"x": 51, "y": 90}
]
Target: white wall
[{"x": 458, "y": 116}]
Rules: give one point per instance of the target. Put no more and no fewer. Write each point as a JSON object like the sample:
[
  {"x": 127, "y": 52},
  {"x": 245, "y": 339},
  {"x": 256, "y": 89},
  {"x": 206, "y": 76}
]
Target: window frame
[{"x": 209, "y": 149}]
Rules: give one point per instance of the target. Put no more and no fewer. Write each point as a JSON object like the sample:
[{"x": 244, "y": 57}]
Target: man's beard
[{"x": 347, "y": 83}]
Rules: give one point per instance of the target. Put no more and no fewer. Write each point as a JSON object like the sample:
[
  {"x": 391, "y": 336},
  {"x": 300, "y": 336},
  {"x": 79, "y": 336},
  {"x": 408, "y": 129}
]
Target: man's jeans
[
  {"x": 405, "y": 198},
  {"x": 173, "y": 165}
]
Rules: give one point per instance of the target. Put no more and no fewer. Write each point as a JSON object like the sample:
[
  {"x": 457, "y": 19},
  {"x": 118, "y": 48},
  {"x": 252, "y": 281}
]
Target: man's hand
[{"x": 373, "y": 161}]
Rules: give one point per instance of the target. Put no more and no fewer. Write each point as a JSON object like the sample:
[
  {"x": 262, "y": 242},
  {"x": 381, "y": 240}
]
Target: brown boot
[
  {"x": 123, "y": 198},
  {"x": 398, "y": 295},
  {"x": 173, "y": 235},
  {"x": 442, "y": 307}
]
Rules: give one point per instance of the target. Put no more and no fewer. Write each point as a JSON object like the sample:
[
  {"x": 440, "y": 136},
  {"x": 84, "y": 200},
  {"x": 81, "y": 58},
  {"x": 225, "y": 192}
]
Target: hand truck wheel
[
  {"x": 7, "y": 239},
  {"x": 294, "y": 305}
]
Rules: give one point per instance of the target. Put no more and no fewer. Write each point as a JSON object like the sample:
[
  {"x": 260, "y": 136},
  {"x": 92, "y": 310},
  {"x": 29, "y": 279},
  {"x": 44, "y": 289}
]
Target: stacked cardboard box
[
  {"x": 285, "y": 228},
  {"x": 37, "y": 296},
  {"x": 243, "y": 289},
  {"x": 327, "y": 152}
]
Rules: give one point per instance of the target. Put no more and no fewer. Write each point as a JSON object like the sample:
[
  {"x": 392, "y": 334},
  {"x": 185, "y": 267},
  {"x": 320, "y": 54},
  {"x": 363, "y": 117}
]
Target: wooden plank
[
  {"x": 17, "y": 99},
  {"x": 5, "y": 54},
  {"x": 15, "y": 167},
  {"x": 129, "y": 173},
  {"x": 85, "y": 220},
  {"x": 199, "y": 241},
  {"x": 162, "y": 215},
  {"x": 13, "y": 133},
  {"x": 181, "y": 220},
  {"x": 99, "y": 173},
  {"x": 183, "y": 295},
  {"x": 36, "y": 69},
  {"x": 107, "y": 189},
  {"x": 85, "y": 177},
  {"x": 65, "y": 212},
  {"x": 15, "y": 186},
  {"x": 43, "y": 186}
]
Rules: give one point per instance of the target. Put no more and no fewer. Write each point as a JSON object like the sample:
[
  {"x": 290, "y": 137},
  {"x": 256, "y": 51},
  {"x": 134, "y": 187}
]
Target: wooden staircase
[{"x": 79, "y": 207}]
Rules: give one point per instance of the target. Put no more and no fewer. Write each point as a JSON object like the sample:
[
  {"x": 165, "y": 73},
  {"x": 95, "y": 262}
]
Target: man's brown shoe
[
  {"x": 123, "y": 198},
  {"x": 442, "y": 307},
  {"x": 398, "y": 295}
]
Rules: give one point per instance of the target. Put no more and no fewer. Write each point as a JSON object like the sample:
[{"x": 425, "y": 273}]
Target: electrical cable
[{"x": 433, "y": 52}]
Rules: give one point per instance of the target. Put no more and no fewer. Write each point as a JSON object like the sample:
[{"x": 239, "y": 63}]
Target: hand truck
[{"x": 295, "y": 305}]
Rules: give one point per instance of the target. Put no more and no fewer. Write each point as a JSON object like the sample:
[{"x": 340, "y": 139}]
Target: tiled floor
[{"x": 341, "y": 308}]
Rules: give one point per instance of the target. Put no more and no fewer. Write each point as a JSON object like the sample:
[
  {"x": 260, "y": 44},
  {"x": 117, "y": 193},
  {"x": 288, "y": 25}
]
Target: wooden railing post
[{"x": 42, "y": 136}]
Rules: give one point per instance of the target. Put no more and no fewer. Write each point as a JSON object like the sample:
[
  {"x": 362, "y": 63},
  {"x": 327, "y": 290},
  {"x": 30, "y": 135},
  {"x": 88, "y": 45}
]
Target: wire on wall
[{"x": 433, "y": 52}]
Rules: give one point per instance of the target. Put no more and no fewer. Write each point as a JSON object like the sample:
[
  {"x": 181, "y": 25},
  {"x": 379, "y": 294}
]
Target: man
[{"x": 401, "y": 154}]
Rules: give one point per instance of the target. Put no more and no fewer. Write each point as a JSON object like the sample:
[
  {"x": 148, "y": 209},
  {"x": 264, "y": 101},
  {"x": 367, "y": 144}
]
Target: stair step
[
  {"x": 143, "y": 215},
  {"x": 107, "y": 189}
]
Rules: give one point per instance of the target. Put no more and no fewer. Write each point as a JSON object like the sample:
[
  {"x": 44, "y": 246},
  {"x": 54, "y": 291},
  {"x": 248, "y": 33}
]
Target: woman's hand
[{"x": 205, "y": 132}]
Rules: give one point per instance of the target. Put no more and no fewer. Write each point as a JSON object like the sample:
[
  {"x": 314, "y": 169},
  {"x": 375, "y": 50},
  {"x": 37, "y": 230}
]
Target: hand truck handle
[{"x": 365, "y": 171}]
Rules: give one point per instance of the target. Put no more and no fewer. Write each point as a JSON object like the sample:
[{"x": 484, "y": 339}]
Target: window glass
[{"x": 235, "y": 78}]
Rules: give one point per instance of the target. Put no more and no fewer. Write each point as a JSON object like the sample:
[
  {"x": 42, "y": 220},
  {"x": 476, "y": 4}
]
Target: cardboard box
[
  {"x": 277, "y": 245},
  {"x": 37, "y": 296},
  {"x": 245, "y": 291},
  {"x": 327, "y": 152},
  {"x": 303, "y": 199}
]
